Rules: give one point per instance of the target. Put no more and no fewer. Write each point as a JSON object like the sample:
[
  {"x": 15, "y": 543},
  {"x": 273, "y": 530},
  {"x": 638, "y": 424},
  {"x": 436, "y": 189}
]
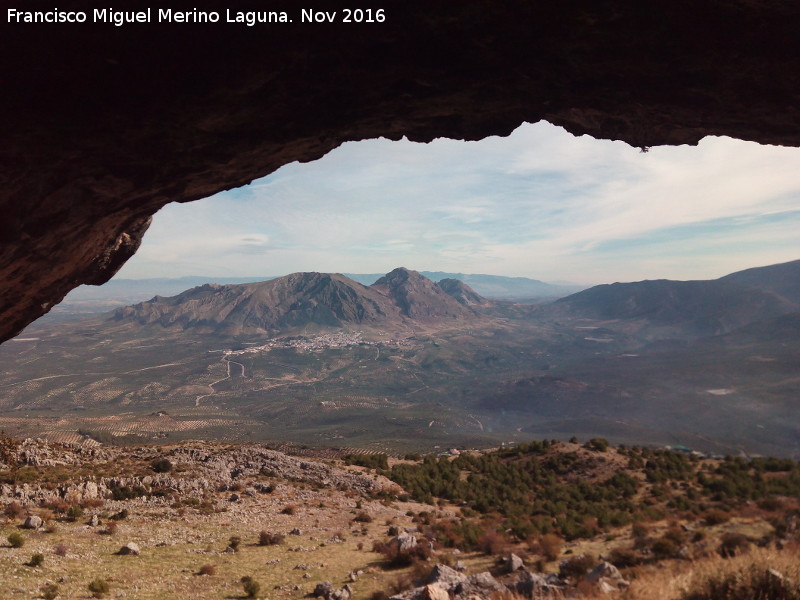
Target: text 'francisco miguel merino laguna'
[{"x": 168, "y": 15}]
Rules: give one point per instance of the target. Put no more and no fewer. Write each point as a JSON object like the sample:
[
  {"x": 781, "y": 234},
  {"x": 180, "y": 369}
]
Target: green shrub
[
  {"x": 251, "y": 586},
  {"x": 370, "y": 461},
  {"x": 98, "y": 587},
  {"x": 598, "y": 444},
  {"x": 36, "y": 560},
  {"x": 50, "y": 591},
  {"x": 16, "y": 540},
  {"x": 74, "y": 512},
  {"x": 233, "y": 542}
]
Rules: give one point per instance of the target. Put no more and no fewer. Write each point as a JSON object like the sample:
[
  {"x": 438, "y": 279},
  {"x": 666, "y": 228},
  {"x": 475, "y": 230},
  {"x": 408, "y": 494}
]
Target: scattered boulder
[
  {"x": 605, "y": 570},
  {"x": 403, "y": 542},
  {"x": 324, "y": 590},
  {"x": 344, "y": 593},
  {"x": 535, "y": 585},
  {"x": 295, "y": 531},
  {"x": 131, "y": 548},
  {"x": 445, "y": 576},
  {"x": 515, "y": 563},
  {"x": 33, "y": 522},
  {"x": 234, "y": 497},
  {"x": 482, "y": 585}
]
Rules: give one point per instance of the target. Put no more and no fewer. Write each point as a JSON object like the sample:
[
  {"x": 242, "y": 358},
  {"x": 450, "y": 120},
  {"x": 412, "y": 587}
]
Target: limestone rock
[
  {"x": 515, "y": 563},
  {"x": 33, "y": 522},
  {"x": 534, "y": 585},
  {"x": 131, "y": 548},
  {"x": 403, "y": 542},
  {"x": 445, "y": 576},
  {"x": 434, "y": 591},
  {"x": 324, "y": 590},
  {"x": 603, "y": 570}
]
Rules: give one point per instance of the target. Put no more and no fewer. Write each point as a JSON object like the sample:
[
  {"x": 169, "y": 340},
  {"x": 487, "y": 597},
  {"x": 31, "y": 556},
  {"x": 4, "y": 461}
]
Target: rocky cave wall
[{"x": 103, "y": 125}]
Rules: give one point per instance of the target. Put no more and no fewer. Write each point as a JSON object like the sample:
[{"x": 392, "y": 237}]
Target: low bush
[
  {"x": 396, "y": 558},
  {"x": 576, "y": 567},
  {"x": 74, "y": 512},
  {"x": 98, "y": 587},
  {"x": 37, "y": 560},
  {"x": 233, "y": 542},
  {"x": 289, "y": 510},
  {"x": 550, "y": 546},
  {"x": 266, "y": 538},
  {"x": 207, "y": 570},
  {"x": 664, "y": 548},
  {"x": 624, "y": 557},
  {"x": 492, "y": 543},
  {"x": 14, "y": 510},
  {"x": 162, "y": 465},
  {"x": 733, "y": 544},
  {"x": 363, "y": 517},
  {"x": 16, "y": 540},
  {"x": 716, "y": 517},
  {"x": 251, "y": 586},
  {"x": 50, "y": 591}
]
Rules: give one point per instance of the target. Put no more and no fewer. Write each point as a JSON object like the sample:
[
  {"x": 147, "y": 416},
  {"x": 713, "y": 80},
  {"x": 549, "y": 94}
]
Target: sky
[{"x": 540, "y": 203}]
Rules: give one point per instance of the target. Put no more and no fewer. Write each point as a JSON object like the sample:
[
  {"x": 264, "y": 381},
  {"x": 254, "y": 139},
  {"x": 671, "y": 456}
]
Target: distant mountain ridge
[
  {"x": 301, "y": 299},
  {"x": 702, "y": 307},
  {"x": 129, "y": 291},
  {"x": 782, "y": 279},
  {"x": 493, "y": 286}
]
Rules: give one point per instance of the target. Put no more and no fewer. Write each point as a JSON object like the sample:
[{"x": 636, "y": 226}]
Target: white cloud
[{"x": 540, "y": 203}]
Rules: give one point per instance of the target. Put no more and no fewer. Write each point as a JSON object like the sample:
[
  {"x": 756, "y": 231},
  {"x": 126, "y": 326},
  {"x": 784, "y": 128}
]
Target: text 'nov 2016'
[{"x": 168, "y": 15}]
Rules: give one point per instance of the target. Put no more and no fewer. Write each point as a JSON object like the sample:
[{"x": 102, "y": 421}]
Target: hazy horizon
[{"x": 539, "y": 203}]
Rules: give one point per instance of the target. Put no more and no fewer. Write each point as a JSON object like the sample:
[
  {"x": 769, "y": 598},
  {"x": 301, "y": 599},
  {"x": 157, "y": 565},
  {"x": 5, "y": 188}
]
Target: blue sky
[{"x": 539, "y": 203}]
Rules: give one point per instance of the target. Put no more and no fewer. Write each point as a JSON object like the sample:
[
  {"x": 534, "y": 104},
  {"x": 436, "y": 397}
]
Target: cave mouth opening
[{"x": 539, "y": 203}]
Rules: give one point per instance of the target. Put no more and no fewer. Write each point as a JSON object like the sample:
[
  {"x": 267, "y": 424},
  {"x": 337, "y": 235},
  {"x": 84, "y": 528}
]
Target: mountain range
[
  {"x": 119, "y": 292},
  {"x": 299, "y": 300}
]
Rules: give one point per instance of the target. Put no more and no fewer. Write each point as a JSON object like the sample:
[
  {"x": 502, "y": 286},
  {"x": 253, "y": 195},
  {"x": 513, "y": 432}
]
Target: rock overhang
[{"x": 106, "y": 124}]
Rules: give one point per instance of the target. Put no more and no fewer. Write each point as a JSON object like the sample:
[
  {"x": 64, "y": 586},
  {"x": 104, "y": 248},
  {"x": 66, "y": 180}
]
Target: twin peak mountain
[{"x": 399, "y": 298}]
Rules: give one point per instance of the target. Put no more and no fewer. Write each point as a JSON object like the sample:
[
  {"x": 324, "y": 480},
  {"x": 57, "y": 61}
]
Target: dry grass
[
  {"x": 679, "y": 580},
  {"x": 175, "y": 547}
]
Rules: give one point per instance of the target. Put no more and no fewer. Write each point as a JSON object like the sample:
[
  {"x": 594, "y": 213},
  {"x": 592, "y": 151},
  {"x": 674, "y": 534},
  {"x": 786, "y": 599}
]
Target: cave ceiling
[{"x": 103, "y": 125}]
